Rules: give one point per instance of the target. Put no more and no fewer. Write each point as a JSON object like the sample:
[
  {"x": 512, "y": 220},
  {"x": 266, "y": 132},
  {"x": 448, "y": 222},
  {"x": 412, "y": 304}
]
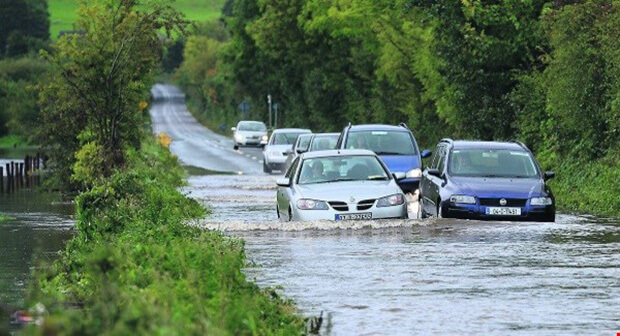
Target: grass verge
[
  {"x": 588, "y": 187},
  {"x": 14, "y": 141},
  {"x": 4, "y": 218},
  {"x": 63, "y": 12},
  {"x": 135, "y": 266}
]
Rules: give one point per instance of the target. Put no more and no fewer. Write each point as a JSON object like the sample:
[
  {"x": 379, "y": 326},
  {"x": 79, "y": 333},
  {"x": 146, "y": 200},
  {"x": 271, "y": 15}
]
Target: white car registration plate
[
  {"x": 357, "y": 216},
  {"x": 503, "y": 211}
]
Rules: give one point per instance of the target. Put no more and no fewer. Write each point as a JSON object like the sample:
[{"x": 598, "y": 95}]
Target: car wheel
[
  {"x": 235, "y": 147},
  {"x": 278, "y": 211},
  {"x": 549, "y": 218},
  {"x": 439, "y": 212},
  {"x": 290, "y": 214},
  {"x": 421, "y": 212},
  {"x": 266, "y": 168}
]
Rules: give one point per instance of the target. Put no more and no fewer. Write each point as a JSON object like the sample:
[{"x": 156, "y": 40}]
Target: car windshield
[
  {"x": 341, "y": 168},
  {"x": 382, "y": 142},
  {"x": 324, "y": 142},
  {"x": 252, "y": 126},
  {"x": 492, "y": 163},
  {"x": 285, "y": 138},
  {"x": 304, "y": 141}
]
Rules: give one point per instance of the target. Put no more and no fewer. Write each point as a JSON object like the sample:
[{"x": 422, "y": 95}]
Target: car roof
[
  {"x": 335, "y": 152},
  {"x": 292, "y": 130},
  {"x": 378, "y": 127},
  {"x": 474, "y": 144}
]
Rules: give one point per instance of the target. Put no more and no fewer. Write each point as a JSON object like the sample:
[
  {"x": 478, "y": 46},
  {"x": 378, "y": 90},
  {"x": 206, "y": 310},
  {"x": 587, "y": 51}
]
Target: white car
[
  {"x": 249, "y": 133},
  {"x": 348, "y": 184},
  {"x": 279, "y": 146}
]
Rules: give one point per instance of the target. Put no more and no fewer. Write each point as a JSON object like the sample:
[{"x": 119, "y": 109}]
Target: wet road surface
[{"x": 411, "y": 277}]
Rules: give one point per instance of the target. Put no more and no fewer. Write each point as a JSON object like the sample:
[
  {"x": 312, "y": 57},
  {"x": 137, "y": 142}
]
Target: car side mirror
[
  {"x": 283, "y": 182},
  {"x": 434, "y": 172},
  {"x": 301, "y": 150},
  {"x": 233, "y": 129},
  {"x": 399, "y": 176},
  {"x": 426, "y": 153},
  {"x": 549, "y": 175}
]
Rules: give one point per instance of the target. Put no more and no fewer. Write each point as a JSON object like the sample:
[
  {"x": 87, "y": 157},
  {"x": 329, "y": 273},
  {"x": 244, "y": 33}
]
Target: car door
[
  {"x": 283, "y": 197},
  {"x": 432, "y": 184}
]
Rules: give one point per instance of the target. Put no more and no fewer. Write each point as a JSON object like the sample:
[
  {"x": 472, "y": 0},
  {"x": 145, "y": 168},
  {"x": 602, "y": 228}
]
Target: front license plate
[
  {"x": 503, "y": 211},
  {"x": 358, "y": 216}
]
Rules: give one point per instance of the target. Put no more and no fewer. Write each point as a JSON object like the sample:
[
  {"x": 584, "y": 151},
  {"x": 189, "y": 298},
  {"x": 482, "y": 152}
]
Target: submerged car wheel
[
  {"x": 266, "y": 168},
  {"x": 278, "y": 211},
  {"x": 235, "y": 147},
  {"x": 439, "y": 212},
  {"x": 421, "y": 212},
  {"x": 290, "y": 214}
]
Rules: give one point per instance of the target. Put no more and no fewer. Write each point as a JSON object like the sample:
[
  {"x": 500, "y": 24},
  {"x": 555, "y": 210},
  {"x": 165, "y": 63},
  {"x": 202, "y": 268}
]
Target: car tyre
[
  {"x": 266, "y": 168},
  {"x": 421, "y": 212},
  {"x": 278, "y": 211},
  {"x": 235, "y": 147},
  {"x": 290, "y": 214},
  {"x": 439, "y": 211}
]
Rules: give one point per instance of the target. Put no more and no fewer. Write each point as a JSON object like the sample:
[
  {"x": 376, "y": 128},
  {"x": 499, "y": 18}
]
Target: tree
[
  {"x": 24, "y": 26},
  {"x": 100, "y": 78}
]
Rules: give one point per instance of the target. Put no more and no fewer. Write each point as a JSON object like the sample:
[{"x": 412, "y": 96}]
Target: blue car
[
  {"x": 395, "y": 145},
  {"x": 486, "y": 180}
]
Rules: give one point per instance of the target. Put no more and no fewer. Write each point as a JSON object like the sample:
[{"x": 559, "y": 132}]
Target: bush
[{"x": 135, "y": 266}]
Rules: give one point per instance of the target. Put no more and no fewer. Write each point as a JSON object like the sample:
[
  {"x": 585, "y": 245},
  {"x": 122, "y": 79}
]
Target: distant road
[{"x": 194, "y": 144}]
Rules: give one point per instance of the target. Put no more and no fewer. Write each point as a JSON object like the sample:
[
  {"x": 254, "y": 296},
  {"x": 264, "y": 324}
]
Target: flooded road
[{"x": 417, "y": 277}]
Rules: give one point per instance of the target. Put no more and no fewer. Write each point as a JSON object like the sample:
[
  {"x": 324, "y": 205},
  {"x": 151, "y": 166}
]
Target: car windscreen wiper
[
  {"x": 336, "y": 180},
  {"x": 377, "y": 178},
  {"x": 389, "y": 153}
]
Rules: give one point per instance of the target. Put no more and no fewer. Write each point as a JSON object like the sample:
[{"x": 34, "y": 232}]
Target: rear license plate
[
  {"x": 358, "y": 216},
  {"x": 503, "y": 211}
]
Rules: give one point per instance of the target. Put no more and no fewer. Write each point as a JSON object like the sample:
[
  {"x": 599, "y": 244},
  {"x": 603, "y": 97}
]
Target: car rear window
[
  {"x": 324, "y": 142},
  {"x": 285, "y": 138}
]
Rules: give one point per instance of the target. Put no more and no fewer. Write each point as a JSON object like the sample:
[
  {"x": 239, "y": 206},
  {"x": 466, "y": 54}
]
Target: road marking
[{"x": 253, "y": 157}]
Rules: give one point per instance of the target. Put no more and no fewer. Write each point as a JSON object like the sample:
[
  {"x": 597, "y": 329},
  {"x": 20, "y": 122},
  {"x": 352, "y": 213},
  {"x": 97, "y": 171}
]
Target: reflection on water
[
  {"x": 426, "y": 277},
  {"x": 42, "y": 224}
]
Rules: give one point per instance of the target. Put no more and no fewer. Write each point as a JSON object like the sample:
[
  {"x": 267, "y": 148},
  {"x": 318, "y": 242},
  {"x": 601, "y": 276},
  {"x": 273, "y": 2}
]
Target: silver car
[
  {"x": 279, "y": 145},
  {"x": 348, "y": 184},
  {"x": 249, "y": 133},
  {"x": 310, "y": 143}
]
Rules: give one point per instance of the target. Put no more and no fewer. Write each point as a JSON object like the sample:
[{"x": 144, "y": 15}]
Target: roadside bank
[{"x": 134, "y": 265}]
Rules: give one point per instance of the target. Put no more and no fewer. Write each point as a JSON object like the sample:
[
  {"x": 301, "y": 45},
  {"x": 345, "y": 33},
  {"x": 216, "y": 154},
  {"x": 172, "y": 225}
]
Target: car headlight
[
  {"x": 265, "y": 138},
  {"x": 238, "y": 137},
  {"x": 414, "y": 173},
  {"x": 392, "y": 200},
  {"x": 463, "y": 199},
  {"x": 309, "y": 204},
  {"x": 541, "y": 201}
]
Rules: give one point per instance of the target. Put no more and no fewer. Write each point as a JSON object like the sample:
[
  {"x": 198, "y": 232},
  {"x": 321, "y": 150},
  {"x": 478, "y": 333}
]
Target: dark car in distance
[{"x": 486, "y": 180}]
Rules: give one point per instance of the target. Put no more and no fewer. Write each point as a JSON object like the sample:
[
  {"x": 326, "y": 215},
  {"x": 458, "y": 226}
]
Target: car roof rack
[
  {"x": 448, "y": 140},
  {"x": 402, "y": 124}
]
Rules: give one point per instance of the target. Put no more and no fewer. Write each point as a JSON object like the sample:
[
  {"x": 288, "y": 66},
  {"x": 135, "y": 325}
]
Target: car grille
[
  {"x": 365, "y": 204},
  {"x": 514, "y": 202},
  {"x": 339, "y": 206}
]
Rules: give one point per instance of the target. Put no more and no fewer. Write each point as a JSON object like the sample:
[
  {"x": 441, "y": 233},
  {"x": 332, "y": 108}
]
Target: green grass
[
  {"x": 13, "y": 141},
  {"x": 63, "y": 12},
  {"x": 4, "y": 218}
]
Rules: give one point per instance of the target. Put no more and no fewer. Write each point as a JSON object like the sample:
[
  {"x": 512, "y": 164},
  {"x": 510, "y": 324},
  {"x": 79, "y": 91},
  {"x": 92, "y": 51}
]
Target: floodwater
[
  {"x": 40, "y": 227},
  {"x": 408, "y": 277},
  {"x": 404, "y": 277}
]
